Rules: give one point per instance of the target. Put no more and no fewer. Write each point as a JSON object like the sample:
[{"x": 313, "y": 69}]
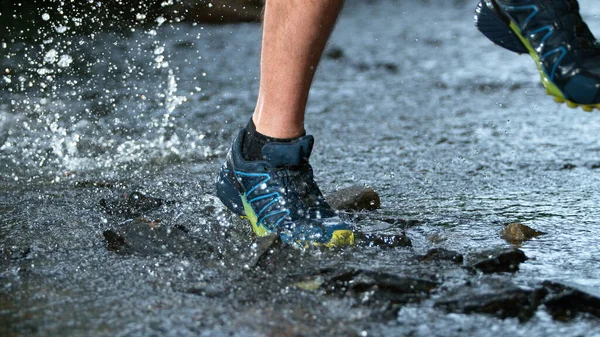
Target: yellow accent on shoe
[
  {"x": 258, "y": 229},
  {"x": 340, "y": 238},
  {"x": 551, "y": 88}
]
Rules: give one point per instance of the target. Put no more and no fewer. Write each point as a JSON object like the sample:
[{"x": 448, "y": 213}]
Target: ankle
[{"x": 254, "y": 141}]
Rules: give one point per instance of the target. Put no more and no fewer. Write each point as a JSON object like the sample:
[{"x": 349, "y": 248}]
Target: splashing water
[{"x": 88, "y": 101}]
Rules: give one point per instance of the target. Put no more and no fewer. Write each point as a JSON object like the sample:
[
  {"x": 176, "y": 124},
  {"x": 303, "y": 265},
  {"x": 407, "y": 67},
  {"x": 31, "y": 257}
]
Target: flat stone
[
  {"x": 494, "y": 297},
  {"x": 149, "y": 238},
  {"x": 354, "y": 198},
  {"x": 567, "y": 299},
  {"x": 376, "y": 286},
  {"x": 498, "y": 260},
  {"x": 517, "y": 232}
]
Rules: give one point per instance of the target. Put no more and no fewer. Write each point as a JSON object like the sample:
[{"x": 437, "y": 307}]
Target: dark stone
[
  {"x": 493, "y": 297},
  {"x": 375, "y": 286},
  {"x": 567, "y": 299},
  {"x": 354, "y": 198},
  {"x": 335, "y": 53},
  {"x": 261, "y": 248},
  {"x": 388, "y": 66},
  {"x": 440, "y": 254},
  {"x": 499, "y": 260},
  {"x": 382, "y": 240},
  {"x": 516, "y": 233},
  {"x": 97, "y": 184},
  {"x": 207, "y": 290},
  {"x": 147, "y": 239},
  {"x": 15, "y": 252},
  {"x": 131, "y": 206}
]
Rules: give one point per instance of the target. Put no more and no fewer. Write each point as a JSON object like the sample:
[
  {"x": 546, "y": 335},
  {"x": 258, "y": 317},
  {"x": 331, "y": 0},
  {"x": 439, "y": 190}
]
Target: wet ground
[{"x": 454, "y": 134}]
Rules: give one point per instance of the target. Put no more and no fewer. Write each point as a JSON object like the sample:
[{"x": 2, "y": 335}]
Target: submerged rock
[
  {"x": 150, "y": 238},
  {"x": 567, "y": 299},
  {"x": 375, "y": 286},
  {"x": 15, "y": 252},
  {"x": 131, "y": 206},
  {"x": 441, "y": 254},
  {"x": 382, "y": 240},
  {"x": 494, "y": 297},
  {"x": 354, "y": 198},
  {"x": 516, "y": 233},
  {"x": 498, "y": 260}
]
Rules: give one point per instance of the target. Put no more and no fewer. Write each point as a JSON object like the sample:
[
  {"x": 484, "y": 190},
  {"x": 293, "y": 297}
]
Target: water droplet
[
  {"x": 45, "y": 16},
  {"x": 61, "y": 29},
  {"x": 51, "y": 56},
  {"x": 65, "y": 61}
]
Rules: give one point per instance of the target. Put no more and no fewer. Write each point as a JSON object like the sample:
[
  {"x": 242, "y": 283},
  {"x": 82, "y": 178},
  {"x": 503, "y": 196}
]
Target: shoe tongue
[{"x": 294, "y": 153}]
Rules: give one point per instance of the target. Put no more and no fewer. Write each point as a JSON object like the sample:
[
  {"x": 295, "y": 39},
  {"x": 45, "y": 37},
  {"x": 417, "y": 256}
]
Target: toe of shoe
[{"x": 330, "y": 232}]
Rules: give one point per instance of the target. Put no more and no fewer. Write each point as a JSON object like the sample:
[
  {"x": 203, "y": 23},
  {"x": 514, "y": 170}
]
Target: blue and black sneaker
[
  {"x": 279, "y": 195},
  {"x": 553, "y": 33}
]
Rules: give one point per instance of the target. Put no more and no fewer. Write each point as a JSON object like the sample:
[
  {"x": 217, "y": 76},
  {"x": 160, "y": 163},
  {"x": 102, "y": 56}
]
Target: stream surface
[{"x": 454, "y": 133}]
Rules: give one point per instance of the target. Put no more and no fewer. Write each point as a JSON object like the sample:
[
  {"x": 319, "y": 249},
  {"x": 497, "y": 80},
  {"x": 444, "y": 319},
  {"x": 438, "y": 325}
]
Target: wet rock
[
  {"x": 206, "y": 289},
  {"x": 388, "y": 66},
  {"x": 494, "y": 297},
  {"x": 147, "y": 239},
  {"x": 436, "y": 238},
  {"x": 397, "y": 222},
  {"x": 15, "y": 252},
  {"x": 354, "y": 198},
  {"x": 335, "y": 53},
  {"x": 261, "y": 248},
  {"x": 567, "y": 299},
  {"x": 498, "y": 260},
  {"x": 97, "y": 184},
  {"x": 374, "y": 286},
  {"x": 516, "y": 233},
  {"x": 440, "y": 254},
  {"x": 132, "y": 205},
  {"x": 382, "y": 240}
]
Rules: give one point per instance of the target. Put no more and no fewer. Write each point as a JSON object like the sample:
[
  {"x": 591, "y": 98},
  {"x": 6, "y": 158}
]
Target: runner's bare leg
[{"x": 294, "y": 35}]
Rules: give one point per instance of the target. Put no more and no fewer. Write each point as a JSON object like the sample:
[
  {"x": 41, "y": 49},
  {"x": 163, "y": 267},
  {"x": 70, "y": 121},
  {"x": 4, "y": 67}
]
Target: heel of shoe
[
  {"x": 497, "y": 29},
  {"x": 228, "y": 194}
]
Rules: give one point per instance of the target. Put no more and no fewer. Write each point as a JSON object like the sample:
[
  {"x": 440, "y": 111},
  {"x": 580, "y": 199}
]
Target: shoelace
[{"x": 301, "y": 184}]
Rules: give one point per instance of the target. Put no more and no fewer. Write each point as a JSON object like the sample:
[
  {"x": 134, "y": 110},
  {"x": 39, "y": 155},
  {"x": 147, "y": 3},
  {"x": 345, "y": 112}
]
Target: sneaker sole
[
  {"x": 505, "y": 33},
  {"x": 228, "y": 192}
]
